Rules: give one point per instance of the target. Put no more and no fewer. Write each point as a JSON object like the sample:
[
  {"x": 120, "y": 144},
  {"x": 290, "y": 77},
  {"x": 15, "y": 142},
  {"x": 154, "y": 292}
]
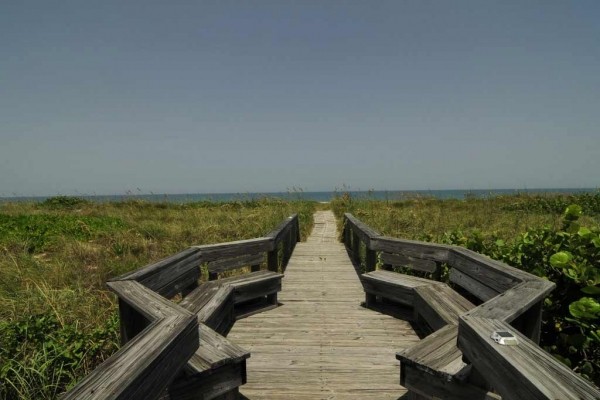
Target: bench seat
[
  {"x": 435, "y": 366},
  {"x": 253, "y": 286},
  {"x": 213, "y": 304},
  {"x": 439, "y": 305},
  {"x": 218, "y": 367},
  {"x": 216, "y": 370},
  {"x": 393, "y": 286},
  {"x": 248, "y": 294}
]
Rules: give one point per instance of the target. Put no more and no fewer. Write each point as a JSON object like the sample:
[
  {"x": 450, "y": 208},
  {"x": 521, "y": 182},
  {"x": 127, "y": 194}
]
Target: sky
[{"x": 110, "y": 97}]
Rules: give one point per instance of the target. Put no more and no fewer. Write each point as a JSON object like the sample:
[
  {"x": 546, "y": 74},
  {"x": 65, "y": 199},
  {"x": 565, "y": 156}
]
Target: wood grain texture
[
  {"x": 144, "y": 367},
  {"x": 439, "y": 305},
  {"x": 524, "y": 371},
  {"x": 412, "y": 248},
  {"x": 512, "y": 303},
  {"x": 510, "y": 295},
  {"x": 280, "y": 231},
  {"x": 362, "y": 230},
  {"x": 473, "y": 286},
  {"x": 170, "y": 275},
  {"x": 214, "y": 352},
  {"x": 320, "y": 343},
  {"x": 228, "y": 264},
  {"x": 401, "y": 260},
  {"x": 238, "y": 248},
  {"x": 491, "y": 273},
  {"x": 394, "y": 286}
]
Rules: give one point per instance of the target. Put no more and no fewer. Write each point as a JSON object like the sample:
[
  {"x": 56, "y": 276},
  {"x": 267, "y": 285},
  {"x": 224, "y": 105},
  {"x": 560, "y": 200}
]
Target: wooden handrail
[
  {"x": 158, "y": 336},
  {"x": 145, "y": 366},
  {"x": 512, "y": 299}
]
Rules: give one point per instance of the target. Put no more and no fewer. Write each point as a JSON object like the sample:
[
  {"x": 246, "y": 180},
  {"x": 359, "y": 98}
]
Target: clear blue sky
[{"x": 218, "y": 96}]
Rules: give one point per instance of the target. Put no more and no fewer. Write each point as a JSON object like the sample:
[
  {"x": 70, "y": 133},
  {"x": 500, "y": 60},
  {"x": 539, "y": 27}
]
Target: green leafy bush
[
  {"x": 35, "y": 232},
  {"x": 570, "y": 257},
  {"x": 39, "y": 357},
  {"x": 589, "y": 203},
  {"x": 63, "y": 202}
]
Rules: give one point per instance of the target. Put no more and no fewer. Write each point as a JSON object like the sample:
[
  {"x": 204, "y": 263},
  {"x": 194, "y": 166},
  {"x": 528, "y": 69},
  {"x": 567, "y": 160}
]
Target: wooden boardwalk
[{"x": 320, "y": 343}]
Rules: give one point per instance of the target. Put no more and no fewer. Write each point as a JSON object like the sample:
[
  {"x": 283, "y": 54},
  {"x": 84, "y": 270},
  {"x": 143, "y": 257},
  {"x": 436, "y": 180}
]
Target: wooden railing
[
  {"x": 158, "y": 336},
  {"x": 511, "y": 299}
]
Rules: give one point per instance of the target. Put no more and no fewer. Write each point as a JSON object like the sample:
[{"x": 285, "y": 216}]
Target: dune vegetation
[
  {"x": 58, "y": 321},
  {"x": 552, "y": 236}
]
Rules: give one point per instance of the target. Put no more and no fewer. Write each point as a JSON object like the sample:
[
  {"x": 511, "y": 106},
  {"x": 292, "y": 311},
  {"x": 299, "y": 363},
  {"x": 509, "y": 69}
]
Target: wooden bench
[
  {"x": 439, "y": 305},
  {"x": 218, "y": 367},
  {"x": 435, "y": 363},
  {"x": 215, "y": 371},
  {"x": 213, "y": 304},
  {"x": 434, "y": 366},
  {"x": 254, "y": 292},
  {"x": 392, "y": 286}
]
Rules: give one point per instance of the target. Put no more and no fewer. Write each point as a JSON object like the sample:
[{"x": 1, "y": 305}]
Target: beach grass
[
  {"x": 57, "y": 319},
  {"x": 556, "y": 237}
]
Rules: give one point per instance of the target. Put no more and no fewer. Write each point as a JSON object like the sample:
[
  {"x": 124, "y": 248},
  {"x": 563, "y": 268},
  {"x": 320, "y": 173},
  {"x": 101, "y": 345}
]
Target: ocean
[{"x": 315, "y": 196}]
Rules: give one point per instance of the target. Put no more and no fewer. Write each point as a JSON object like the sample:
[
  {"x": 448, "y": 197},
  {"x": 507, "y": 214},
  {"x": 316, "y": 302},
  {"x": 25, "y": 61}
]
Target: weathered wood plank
[
  {"x": 440, "y": 305},
  {"x": 222, "y": 265},
  {"x": 393, "y": 286},
  {"x": 437, "y": 355},
  {"x": 524, "y": 371},
  {"x": 149, "y": 361},
  {"x": 280, "y": 231},
  {"x": 422, "y": 384},
  {"x": 170, "y": 275},
  {"x": 214, "y": 352},
  {"x": 401, "y": 260},
  {"x": 475, "y": 287},
  {"x": 211, "y": 386},
  {"x": 214, "y": 306},
  {"x": 364, "y": 232},
  {"x": 238, "y": 248},
  {"x": 491, "y": 273},
  {"x": 512, "y": 303},
  {"x": 412, "y": 248},
  {"x": 320, "y": 343}
]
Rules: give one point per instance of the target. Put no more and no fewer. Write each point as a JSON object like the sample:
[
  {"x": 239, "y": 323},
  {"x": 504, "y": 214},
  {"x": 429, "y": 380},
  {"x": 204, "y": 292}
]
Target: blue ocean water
[{"x": 316, "y": 196}]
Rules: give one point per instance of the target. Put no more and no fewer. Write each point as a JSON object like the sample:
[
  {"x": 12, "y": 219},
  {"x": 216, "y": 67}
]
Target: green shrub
[
  {"x": 35, "y": 232},
  {"x": 63, "y": 202},
  {"x": 555, "y": 204},
  {"x": 569, "y": 257},
  {"x": 40, "y": 358}
]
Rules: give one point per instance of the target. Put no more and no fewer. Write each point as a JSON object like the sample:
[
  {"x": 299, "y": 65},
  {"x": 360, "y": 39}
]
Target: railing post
[
  {"x": 291, "y": 243},
  {"x": 347, "y": 234},
  {"x": 355, "y": 247},
  {"x": 370, "y": 259},
  {"x": 437, "y": 274},
  {"x": 530, "y": 322},
  {"x": 272, "y": 259},
  {"x": 131, "y": 322},
  {"x": 297, "y": 229}
]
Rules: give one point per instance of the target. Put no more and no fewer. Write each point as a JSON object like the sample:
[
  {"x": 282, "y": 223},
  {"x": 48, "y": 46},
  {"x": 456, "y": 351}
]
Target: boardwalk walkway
[{"x": 321, "y": 344}]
